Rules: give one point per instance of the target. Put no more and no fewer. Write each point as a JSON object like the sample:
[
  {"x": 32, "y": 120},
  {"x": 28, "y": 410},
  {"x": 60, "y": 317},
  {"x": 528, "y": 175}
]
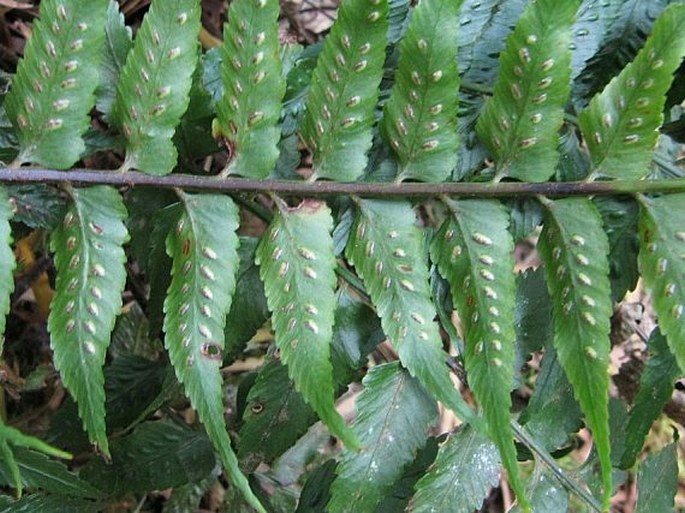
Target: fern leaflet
[
  {"x": 89, "y": 259},
  {"x": 7, "y": 263},
  {"x": 297, "y": 266},
  {"x": 620, "y": 124},
  {"x": 203, "y": 246},
  {"x": 520, "y": 123},
  {"x": 474, "y": 252},
  {"x": 574, "y": 249},
  {"x": 386, "y": 248},
  {"x": 253, "y": 88},
  {"x": 53, "y": 90},
  {"x": 154, "y": 86},
  {"x": 118, "y": 42},
  {"x": 395, "y": 412},
  {"x": 420, "y": 118},
  {"x": 662, "y": 264},
  {"x": 344, "y": 90}
]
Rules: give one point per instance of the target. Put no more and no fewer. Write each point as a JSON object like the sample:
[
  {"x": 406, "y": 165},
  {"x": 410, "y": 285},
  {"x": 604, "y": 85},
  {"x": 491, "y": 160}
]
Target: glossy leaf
[
  {"x": 545, "y": 492},
  {"x": 662, "y": 263},
  {"x": 386, "y": 248},
  {"x": 53, "y": 90},
  {"x": 420, "y": 118},
  {"x": 276, "y": 415},
  {"x": 466, "y": 468},
  {"x": 118, "y": 42},
  {"x": 657, "y": 481},
  {"x": 475, "y": 253},
  {"x": 344, "y": 90},
  {"x": 89, "y": 259},
  {"x": 574, "y": 249},
  {"x": 394, "y": 414},
  {"x": 203, "y": 246},
  {"x": 297, "y": 266},
  {"x": 154, "y": 85},
  {"x": 620, "y": 124},
  {"x": 156, "y": 455},
  {"x": 7, "y": 263},
  {"x": 249, "y": 110},
  {"x": 656, "y": 387},
  {"x": 520, "y": 123}
]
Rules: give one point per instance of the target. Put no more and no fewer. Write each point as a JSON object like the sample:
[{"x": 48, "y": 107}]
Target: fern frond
[
  {"x": 395, "y": 412},
  {"x": 620, "y": 124},
  {"x": 574, "y": 249},
  {"x": 154, "y": 85},
  {"x": 387, "y": 250},
  {"x": 203, "y": 246},
  {"x": 89, "y": 259},
  {"x": 420, "y": 118},
  {"x": 250, "y": 108},
  {"x": 521, "y": 121},
  {"x": 466, "y": 468},
  {"x": 118, "y": 42},
  {"x": 7, "y": 262},
  {"x": 344, "y": 90},
  {"x": 297, "y": 266},
  {"x": 53, "y": 90},
  {"x": 475, "y": 253},
  {"x": 662, "y": 264}
]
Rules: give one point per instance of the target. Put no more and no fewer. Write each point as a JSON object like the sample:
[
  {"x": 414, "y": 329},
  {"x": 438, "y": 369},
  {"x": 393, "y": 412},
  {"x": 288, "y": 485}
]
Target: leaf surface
[
  {"x": 662, "y": 264},
  {"x": 394, "y": 414},
  {"x": 521, "y": 121},
  {"x": 154, "y": 86},
  {"x": 466, "y": 468},
  {"x": 249, "y": 110},
  {"x": 297, "y": 266},
  {"x": 386, "y": 248},
  {"x": 342, "y": 98},
  {"x": 203, "y": 246},
  {"x": 574, "y": 249},
  {"x": 657, "y": 481},
  {"x": 475, "y": 253},
  {"x": 118, "y": 42},
  {"x": 7, "y": 262},
  {"x": 89, "y": 259},
  {"x": 420, "y": 118},
  {"x": 53, "y": 90},
  {"x": 656, "y": 388},
  {"x": 620, "y": 126}
]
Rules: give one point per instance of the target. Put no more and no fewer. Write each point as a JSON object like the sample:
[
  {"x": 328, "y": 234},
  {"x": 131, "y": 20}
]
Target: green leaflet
[
  {"x": 52, "y": 92},
  {"x": 386, "y": 248},
  {"x": 342, "y": 98},
  {"x": 250, "y": 108},
  {"x": 662, "y": 264},
  {"x": 203, "y": 246},
  {"x": 118, "y": 42},
  {"x": 656, "y": 387},
  {"x": 475, "y": 253},
  {"x": 574, "y": 249},
  {"x": 466, "y": 468},
  {"x": 297, "y": 266},
  {"x": 89, "y": 259},
  {"x": 395, "y": 412},
  {"x": 520, "y": 123},
  {"x": 620, "y": 126},
  {"x": 657, "y": 481},
  {"x": 275, "y": 417},
  {"x": 155, "y": 83},
  {"x": 7, "y": 263},
  {"x": 420, "y": 118}
]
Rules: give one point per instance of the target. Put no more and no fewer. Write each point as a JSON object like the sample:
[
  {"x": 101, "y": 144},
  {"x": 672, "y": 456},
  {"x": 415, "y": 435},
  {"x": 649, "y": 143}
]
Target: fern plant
[{"x": 385, "y": 264}]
